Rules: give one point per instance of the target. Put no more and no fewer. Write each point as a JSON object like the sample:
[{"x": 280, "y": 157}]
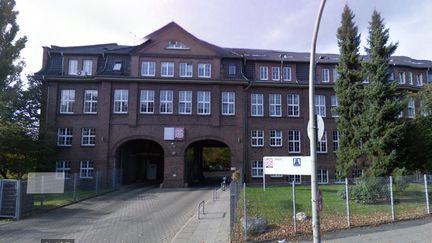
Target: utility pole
[{"x": 313, "y": 139}]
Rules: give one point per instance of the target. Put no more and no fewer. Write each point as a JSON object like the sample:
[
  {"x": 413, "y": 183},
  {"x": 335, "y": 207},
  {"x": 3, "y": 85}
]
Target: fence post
[
  {"x": 42, "y": 192},
  {"x": 391, "y": 198},
  {"x": 294, "y": 206},
  {"x": 18, "y": 201},
  {"x": 244, "y": 210},
  {"x": 426, "y": 193},
  {"x": 75, "y": 182},
  {"x": 347, "y": 202},
  {"x": 97, "y": 182}
]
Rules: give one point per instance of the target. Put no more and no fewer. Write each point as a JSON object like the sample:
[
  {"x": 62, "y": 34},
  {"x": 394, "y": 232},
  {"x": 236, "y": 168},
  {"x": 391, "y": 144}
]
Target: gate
[{"x": 9, "y": 199}]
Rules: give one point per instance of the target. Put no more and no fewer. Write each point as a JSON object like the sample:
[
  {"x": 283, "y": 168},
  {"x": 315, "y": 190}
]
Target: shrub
[{"x": 368, "y": 190}]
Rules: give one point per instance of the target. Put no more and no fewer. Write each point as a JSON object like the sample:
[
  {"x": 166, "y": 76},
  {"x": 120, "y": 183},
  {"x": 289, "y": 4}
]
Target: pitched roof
[{"x": 88, "y": 49}]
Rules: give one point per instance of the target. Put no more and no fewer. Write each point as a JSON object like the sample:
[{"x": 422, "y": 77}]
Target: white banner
[{"x": 287, "y": 165}]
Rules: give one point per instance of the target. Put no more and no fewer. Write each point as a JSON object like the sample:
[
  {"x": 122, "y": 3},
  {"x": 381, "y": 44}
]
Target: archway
[
  {"x": 206, "y": 162},
  {"x": 141, "y": 161}
]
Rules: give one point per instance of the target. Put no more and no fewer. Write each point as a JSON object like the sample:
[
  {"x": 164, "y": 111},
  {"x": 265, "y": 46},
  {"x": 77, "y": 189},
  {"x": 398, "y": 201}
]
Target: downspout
[
  {"x": 62, "y": 70},
  {"x": 246, "y": 124}
]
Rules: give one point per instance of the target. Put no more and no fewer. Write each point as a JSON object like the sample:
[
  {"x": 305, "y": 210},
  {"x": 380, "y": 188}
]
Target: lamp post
[{"x": 313, "y": 127}]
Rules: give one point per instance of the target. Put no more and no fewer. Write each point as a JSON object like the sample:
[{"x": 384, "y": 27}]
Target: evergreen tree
[
  {"x": 381, "y": 128},
  {"x": 349, "y": 93}
]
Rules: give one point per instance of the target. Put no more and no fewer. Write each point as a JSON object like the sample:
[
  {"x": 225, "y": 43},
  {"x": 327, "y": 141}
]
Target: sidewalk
[{"x": 213, "y": 226}]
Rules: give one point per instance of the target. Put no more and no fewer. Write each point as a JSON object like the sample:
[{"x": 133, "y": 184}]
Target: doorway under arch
[
  {"x": 141, "y": 161},
  {"x": 206, "y": 162}
]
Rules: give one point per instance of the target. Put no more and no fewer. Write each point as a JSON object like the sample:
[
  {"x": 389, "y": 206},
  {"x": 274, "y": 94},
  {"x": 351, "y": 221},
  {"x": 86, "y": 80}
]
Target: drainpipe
[
  {"x": 62, "y": 69},
  {"x": 246, "y": 124}
]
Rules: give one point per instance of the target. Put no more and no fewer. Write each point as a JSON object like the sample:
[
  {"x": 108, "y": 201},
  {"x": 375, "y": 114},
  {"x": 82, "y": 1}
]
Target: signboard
[
  {"x": 45, "y": 182},
  {"x": 320, "y": 126},
  {"x": 287, "y": 165},
  {"x": 173, "y": 133}
]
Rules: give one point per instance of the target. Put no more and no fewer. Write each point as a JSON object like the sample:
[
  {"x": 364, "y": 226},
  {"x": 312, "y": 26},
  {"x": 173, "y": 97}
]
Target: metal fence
[
  {"x": 283, "y": 210},
  {"x": 15, "y": 202}
]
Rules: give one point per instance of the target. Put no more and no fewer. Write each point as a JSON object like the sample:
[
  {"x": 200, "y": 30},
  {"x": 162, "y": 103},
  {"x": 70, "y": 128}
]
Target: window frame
[
  {"x": 320, "y": 176},
  {"x": 232, "y": 69},
  {"x": 185, "y": 102},
  {"x": 166, "y": 101},
  {"x": 322, "y": 145},
  {"x": 64, "y": 136},
  {"x": 255, "y": 105},
  {"x": 257, "y": 138},
  {"x": 334, "y": 104},
  {"x": 123, "y": 103},
  {"x": 257, "y": 169},
  {"x": 294, "y": 142},
  {"x": 336, "y": 140},
  {"x": 411, "y": 108},
  {"x": 295, "y": 178},
  {"x": 286, "y": 74},
  {"x": 402, "y": 77},
  {"x": 88, "y": 137},
  {"x": 204, "y": 70},
  {"x": 325, "y": 75},
  {"x": 88, "y": 69},
  {"x": 90, "y": 105},
  {"x": 67, "y": 101},
  {"x": 228, "y": 103},
  {"x": 148, "y": 68},
  {"x": 86, "y": 169},
  {"x": 275, "y": 105},
  {"x": 167, "y": 69},
  {"x": 185, "y": 70},
  {"x": 64, "y": 166},
  {"x": 203, "y": 103},
  {"x": 73, "y": 67},
  {"x": 294, "y": 105},
  {"x": 263, "y": 72},
  {"x": 320, "y": 105},
  {"x": 276, "y": 74},
  {"x": 419, "y": 79},
  {"x": 147, "y": 101},
  {"x": 276, "y": 138}
]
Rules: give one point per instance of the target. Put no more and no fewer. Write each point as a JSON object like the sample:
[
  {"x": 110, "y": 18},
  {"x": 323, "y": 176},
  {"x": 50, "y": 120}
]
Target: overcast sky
[{"x": 263, "y": 24}]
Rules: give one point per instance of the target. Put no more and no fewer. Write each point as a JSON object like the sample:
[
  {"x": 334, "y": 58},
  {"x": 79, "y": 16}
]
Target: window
[
  {"x": 67, "y": 101},
  {"x": 335, "y": 75},
  {"x": 88, "y": 67},
  {"x": 320, "y": 108},
  {"x": 401, "y": 77},
  {"x": 228, "y": 103},
  {"x": 148, "y": 69},
  {"x": 334, "y": 104},
  {"x": 391, "y": 76},
  {"x": 90, "y": 101},
  {"x": 357, "y": 173},
  {"x": 147, "y": 101},
  {"x": 257, "y": 168},
  {"x": 263, "y": 73},
  {"x": 86, "y": 169},
  {"x": 118, "y": 66},
  {"x": 275, "y": 73},
  {"x": 338, "y": 177},
  {"x": 166, "y": 102},
  {"x": 232, "y": 69},
  {"x": 88, "y": 137},
  {"x": 293, "y": 141},
  {"x": 295, "y": 178},
  {"x": 419, "y": 79},
  {"x": 275, "y": 105},
  {"x": 121, "y": 101},
  {"x": 336, "y": 138},
  {"x": 176, "y": 45},
  {"x": 185, "y": 102},
  {"x": 410, "y": 78},
  {"x": 186, "y": 70},
  {"x": 287, "y": 73},
  {"x": 257, "y": 105},
  {"x": 322, "y": 176},
  {"x": 275, "y": 138},
  {"x": 73, "y": 67},
  {"x": 325, "y": 75},
  {"x": 64, "y": 137},
  {"x": 204, "y": 70},
  {"x": 203, "y": 103},
  {"x": 293, "y": 105},
  {"x": 411, "y": 108},
  {"x": 322, "y": 145},
  {"x": 257, "y": 138},
  {"x": 63, "y": 166},
  {"x": 167, "y": 69}
]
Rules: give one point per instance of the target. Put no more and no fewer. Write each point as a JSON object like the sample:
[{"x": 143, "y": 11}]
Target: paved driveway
[{"x": 129, "y": 215}]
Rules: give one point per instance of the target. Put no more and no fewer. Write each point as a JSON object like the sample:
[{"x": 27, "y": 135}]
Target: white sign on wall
[
  {"x": 173, "y": 133},
  {"x": 287, "y": 165}
]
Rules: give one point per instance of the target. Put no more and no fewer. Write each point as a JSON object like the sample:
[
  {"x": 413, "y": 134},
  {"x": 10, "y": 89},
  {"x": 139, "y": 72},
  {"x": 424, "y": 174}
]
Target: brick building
[{"x": 142, "y": 108}]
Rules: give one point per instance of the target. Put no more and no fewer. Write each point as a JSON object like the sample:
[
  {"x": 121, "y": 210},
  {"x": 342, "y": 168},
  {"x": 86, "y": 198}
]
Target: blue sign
[{"x": 296, "y": 162}]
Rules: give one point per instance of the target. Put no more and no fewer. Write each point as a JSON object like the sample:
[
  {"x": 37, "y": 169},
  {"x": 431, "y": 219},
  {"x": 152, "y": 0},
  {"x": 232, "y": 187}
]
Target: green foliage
[
  {"x": 369, "y": 190},
  {"x": 216, "y": 157}
]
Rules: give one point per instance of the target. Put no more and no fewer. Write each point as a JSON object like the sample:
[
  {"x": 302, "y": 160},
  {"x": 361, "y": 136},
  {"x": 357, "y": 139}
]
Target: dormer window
[
  {"x": 231, "y": 69},
  {"x": 176, "y": 45},
  {"x": 88, "y": 67},
  {"x": 73, "y": 67},
  {"x": 117, "y": 66}
]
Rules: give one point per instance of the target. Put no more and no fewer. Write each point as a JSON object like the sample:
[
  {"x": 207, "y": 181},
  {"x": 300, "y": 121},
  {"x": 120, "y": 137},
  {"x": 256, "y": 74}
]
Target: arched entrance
[
  {"x": 206, "y": 162},
  {"x": 141, "y": 160}
]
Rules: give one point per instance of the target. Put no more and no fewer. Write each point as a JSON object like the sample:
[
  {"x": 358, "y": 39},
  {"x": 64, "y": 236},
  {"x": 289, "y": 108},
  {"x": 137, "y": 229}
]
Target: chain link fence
[{"x": 283, "y": 210}]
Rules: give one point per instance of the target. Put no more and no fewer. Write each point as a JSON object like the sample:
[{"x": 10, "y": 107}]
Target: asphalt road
[{"x": 128, "y": 215}]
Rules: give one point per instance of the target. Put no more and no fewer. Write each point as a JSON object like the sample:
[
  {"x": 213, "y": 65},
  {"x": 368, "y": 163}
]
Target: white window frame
[
  {"x": 322, "y": 176},
  {"x": 203, "y": 102},
  {"x": 257, "y": 104},
  {"x": 411, "y": 108},
  {"x": 204, "y": 70},
  {"x": 88, "y": 137},
  {"x": 90, "y": 101},
  {"x": 121, "y": 99},
  {"x": 276, "y": 73},
  {"x": 228, "y": 103},
  {"x": 275, "y": 138},
  {"x": 334, "y": 104},
  {"x": 419, "y": 79},
  {"x": 148, "y": 68},
  {"x": 263, "y": 73},
  {"x": 73, "y": 67},
  {"x": 402, "y": 78},
  {"x": 167, "y": 69},
  {"x": 293, "y": 105},
  {"x": 232, "y": 69},
  {"x": 88, "y": 66},
  {"x": 322, "y": 145},
  {"x": 118, "y": 66},
  {"x": 294, "y": 141},
  {"x": 185, "y": 70},
  {"x": 325, "y": 75},
  {"x": 86, "y": 169},
  {"x": 63, "y": 166},
  {"x": 185, "y": 102},
  {"x": 338, "y": 177},
  {"x": 410, "y": 78},
  {"x": 320, "y": 106},
  {"x": 147, "y": 101},
  {"x": 67, "y": 101},
  {"x": 166, "y": 99},
  {"x": 257, "y": 168},
  {"x": 336, "y": 140},
  {"x": 64, "y": 137},
  {"x": 275, "y": 105},
  {"x": 287, "y": 73},
  {"x": 335, "y": 74},
  {"x": 257, "y": 138},
  {"x": 295, "y": 178}
]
